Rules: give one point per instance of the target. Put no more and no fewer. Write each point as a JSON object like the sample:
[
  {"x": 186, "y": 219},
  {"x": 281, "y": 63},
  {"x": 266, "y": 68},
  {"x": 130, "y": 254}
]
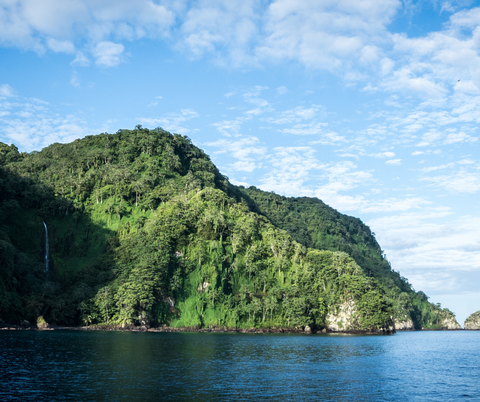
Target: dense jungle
[{"x": 143, "y": 229}]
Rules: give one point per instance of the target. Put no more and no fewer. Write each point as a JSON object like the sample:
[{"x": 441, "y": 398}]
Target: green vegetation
[
  {"x": 314, "y": 224},
  {"x": 143, "y": 229}
]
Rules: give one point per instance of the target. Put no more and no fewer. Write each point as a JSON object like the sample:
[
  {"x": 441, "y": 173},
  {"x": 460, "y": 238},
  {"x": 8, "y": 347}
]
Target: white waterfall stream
[{"x": 46, "y": 246}]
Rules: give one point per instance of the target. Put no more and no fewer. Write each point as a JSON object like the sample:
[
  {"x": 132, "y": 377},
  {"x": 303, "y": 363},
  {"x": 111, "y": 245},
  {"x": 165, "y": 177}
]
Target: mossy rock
[{"x": 41, "y": 323}]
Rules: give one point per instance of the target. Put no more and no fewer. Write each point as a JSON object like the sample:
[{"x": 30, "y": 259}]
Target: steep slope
[
  {"x": 314, "y": 224},
  {"x": 144, "y": 229},
  {"x": 473, "y": 321}
]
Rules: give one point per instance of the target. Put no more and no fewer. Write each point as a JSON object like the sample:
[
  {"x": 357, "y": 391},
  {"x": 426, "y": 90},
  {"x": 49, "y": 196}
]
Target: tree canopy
[{"x": 144, "y": 229}]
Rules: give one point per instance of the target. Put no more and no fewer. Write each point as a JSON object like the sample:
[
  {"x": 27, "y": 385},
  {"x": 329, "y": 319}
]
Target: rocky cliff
[
  {"x": 473, "y": 321},
  {"x": 404, "y": 325},
  {"x": 345, "y": 318},
  {"x": 450, "y": 323}
]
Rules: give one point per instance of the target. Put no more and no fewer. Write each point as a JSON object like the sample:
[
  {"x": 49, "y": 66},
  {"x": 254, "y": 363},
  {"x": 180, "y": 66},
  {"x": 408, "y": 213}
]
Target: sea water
[{"x": 84, "y": 365}]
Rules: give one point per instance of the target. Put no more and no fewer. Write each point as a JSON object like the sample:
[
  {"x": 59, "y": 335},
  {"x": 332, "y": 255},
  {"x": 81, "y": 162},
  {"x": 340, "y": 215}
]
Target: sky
[{"x": 371, "y": 106}]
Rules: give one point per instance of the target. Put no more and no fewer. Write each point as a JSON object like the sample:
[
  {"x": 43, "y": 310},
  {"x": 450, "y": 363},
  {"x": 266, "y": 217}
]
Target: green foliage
[
  {"x": 314, "y": 224},
  {"x": 143, "y": 229}
]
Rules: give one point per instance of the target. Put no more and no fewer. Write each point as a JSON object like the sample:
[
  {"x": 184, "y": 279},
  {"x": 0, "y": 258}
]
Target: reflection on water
[{"x": 69, "y": 365}]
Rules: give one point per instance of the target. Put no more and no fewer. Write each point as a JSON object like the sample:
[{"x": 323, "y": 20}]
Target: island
[
  {"x": 140, "y": 230},
  {"x": 473, "y": 321}
]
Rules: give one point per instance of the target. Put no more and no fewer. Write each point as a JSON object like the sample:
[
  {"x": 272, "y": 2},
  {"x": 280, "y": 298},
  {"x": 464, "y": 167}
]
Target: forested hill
[
  {"x": 314, "y": 224},
  {"x": 143, "y": 229}
]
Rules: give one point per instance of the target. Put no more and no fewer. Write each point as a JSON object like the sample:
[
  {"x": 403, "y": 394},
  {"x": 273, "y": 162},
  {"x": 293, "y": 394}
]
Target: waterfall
[{"x": 46, "y": 246}]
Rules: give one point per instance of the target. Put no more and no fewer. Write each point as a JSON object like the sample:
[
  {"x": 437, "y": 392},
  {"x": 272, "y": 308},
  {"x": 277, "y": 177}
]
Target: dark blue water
[{"x": 70, "y": 365}]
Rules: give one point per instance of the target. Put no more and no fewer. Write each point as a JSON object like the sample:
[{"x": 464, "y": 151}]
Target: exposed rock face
[
  {"x": 143, "y": 320},
  {"x": 344, "y": 319},
  {"x": 404, "y": 325},
  {"x": 41, "y": 323},
  {"x": 308, "y": 330},
  {"x": 473, "y": 321},
  {"x": 203, "y": 286},
  {"x": 451, "y": 323}
]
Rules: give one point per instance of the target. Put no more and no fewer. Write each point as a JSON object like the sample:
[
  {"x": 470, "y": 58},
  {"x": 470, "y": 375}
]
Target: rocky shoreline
[
  {"x": 42, "y": 325},
  {"x": 131, "y": 328},
  {"x": 12, "y": 327}
]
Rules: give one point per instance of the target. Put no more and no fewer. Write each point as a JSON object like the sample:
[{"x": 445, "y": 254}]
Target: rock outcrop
[
  {"x": 473, "y": 321},
  {"x": 450, "y": 323},
  {"x": 404, "y": 325},
  {"x": 344, "y": 319},
  {"x": 41, "y": 323}
]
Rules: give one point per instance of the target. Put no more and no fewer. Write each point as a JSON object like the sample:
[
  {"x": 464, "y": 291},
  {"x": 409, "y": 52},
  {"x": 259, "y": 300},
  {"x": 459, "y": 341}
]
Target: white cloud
[
  {"x": 26, "y": 23},
  {"x": 467, "y": 87},
  {"x": 6, "y": 91},
  {"x": 228, "y": 127},
  {"x": 247, "y": 150},
  {"x": 306, "y": 129},
  {"x": 458, "y": 182},
  {"x": 235, "y": 32},
  {"x": 324, "y": 35},
  {"x": 282, "y": 90},
  {"x": 108, "y": 54},
  {"x": 227, "y": 25},
  {"x": 244, "y": 166},
  {"x": 74, "y": 80},
  {"x": 430, "y": 137},
  {"x": 80, "y": 60},
  {"x": 387, "y": 154},
  {"x": 466, "y": 161},
  {"x": 172, "y": 122},
  {"x": 434, "y": 168},
  {"x": 330, "y": 138},
  {"x": 295, "y": 115},
  {"x": 33, "y": 125},
  {"x": 394, "y": 162},
  {"x": 407, "y": 80},
  {"x": 437, "y": 255},
  {"x": 290, "y": 168},
  {"x": 60, "y": 46},
  {"x": 459, "y": 137}
]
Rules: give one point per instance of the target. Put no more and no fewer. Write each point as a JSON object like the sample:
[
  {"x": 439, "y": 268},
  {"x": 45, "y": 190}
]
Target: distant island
[
  {"x": 473, "y": 321},
  {"x": 140, "y": 229}
]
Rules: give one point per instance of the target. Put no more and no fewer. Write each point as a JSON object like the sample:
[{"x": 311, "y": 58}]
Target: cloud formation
[
  {"x": 108, "y": 54},
  {"x": 64, "y": 26}
]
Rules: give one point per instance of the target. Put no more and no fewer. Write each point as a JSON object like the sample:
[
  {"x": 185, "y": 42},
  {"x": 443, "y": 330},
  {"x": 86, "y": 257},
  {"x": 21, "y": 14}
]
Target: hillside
[
  {"x": 473, "y": 321},
  {"x": 314, "y": 224},
  {"x": 143, "y": 229}
]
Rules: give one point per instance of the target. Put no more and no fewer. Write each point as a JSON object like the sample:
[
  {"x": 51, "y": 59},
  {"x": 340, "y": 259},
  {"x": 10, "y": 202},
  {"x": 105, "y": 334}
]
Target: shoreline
[
  {"x": 131, "y": 328},
  {"x": 12, "y": 327}
]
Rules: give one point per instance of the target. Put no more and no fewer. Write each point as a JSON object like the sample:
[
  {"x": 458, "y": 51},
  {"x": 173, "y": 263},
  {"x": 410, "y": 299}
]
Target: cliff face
[
  {"x": 344, "y": 318},
  {"x": 473, "y": 321},
  {"x": 450, "y": 323},
  {"x": 404, "y": 325}
]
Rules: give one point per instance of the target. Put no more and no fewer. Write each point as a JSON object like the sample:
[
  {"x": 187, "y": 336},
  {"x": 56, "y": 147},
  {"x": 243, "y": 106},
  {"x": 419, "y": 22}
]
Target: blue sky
[{"x": 372, "y": 106}]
